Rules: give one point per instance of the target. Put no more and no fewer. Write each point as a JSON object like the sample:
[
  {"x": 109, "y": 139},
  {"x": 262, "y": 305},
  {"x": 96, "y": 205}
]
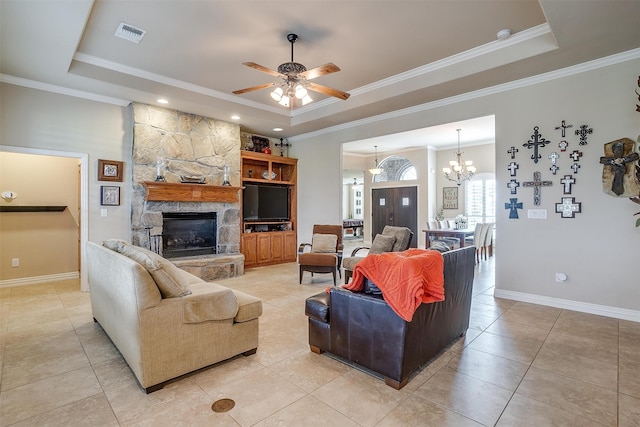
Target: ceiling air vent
[{"x": 129, "y": 32}]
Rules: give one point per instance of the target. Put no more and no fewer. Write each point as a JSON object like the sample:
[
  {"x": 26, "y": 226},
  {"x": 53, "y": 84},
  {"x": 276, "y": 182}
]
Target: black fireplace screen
[{"x": 188, "y": 234}]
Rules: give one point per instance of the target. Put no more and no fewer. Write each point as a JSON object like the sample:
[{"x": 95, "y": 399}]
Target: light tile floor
[{"x": 519, "y": 365}]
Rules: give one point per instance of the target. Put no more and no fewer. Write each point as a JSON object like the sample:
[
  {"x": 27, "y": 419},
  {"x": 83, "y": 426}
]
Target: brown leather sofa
[{"x": 363, "y": 329}]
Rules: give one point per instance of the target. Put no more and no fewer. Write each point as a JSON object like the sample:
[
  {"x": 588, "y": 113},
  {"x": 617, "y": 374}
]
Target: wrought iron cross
[
  {"x": 536, "y": 141},
  {"x": 513, "y": 186},
  {"x": 583, "y": 132},
  {"x": 283, "y": 145},
  {"x": 554, "y": 168},
  {"x": 567, "y": 181},
  {"x": 618, "y": 163},
  {"x": 564, "y": 127},
  {"x": 513, "y": 207},
  {"x": 537, "y": 185},
  {"x": 513, "y": 150},
  {"x": 575, "y": 167},
  {"x": 513, "y": 166}
]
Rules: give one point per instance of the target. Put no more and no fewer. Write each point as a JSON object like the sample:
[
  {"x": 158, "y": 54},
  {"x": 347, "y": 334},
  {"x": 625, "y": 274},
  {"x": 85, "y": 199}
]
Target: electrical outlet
[{"x": 15, "y": 262}]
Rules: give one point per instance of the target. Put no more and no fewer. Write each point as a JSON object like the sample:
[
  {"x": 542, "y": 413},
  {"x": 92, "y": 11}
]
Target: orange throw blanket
[{"x": 406, "y": 279}]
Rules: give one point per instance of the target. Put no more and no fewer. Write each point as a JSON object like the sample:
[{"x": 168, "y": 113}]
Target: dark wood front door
[{"x": 395, "y": 206}]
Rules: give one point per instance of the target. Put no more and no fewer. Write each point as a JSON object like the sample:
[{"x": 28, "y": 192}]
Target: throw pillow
[
  {"x": 114, "y": 244},
  {"x": 382, "y": 244},
  {"x": 168, "y": 277},
  {"x": 324, "y": 243},
  {"x": 439, "y": 246}
]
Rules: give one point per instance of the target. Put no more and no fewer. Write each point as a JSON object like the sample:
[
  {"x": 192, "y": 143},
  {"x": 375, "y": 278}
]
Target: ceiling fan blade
[
  {"x": 251, "y": 89},
  {"x": 328, "y": 91},
  {"x": 320, "y": 71},
  {"x": 262, "y": 68}
]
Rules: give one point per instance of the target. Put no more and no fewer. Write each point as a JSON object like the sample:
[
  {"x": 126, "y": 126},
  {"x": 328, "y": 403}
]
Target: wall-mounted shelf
[
  {"x": 179, "y": 192},
  {"x": 32, "y": 208}
]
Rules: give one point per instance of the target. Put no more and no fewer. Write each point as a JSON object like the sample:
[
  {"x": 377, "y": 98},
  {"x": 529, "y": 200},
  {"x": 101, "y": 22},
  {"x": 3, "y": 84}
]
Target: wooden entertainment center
[{"x": 272, "y": 241}]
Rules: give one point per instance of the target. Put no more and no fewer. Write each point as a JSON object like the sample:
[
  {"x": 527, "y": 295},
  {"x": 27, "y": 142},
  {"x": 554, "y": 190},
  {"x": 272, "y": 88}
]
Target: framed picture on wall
[
  {"x": 109, "y": 195},
  {"x": 110, "y": 170},
  {"x": 450, "y": 197}
]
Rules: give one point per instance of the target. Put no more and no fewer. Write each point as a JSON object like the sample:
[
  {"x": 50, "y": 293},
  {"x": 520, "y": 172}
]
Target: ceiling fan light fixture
[
  {"x": 300, "y": 91},
  {"x": 307, "y": 99},
  {"x": 277, "y": 93},
  {"x": 284, "y": 101}
]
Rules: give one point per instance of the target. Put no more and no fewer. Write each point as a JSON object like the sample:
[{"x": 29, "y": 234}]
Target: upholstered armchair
[
  {"x": 392, "y": 239},
  {"x": 324, "y": 253}
]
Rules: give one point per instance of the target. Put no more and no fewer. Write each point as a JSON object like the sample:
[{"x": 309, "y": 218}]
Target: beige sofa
[{"x": 164, "y": 321}]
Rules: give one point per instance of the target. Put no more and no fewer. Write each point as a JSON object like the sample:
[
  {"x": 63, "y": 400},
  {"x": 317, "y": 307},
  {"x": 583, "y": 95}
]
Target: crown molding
[{"x": 504, "y": 87}]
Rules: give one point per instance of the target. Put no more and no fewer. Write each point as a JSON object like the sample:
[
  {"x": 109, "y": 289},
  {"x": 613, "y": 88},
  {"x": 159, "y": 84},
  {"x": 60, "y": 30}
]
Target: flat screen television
[{"x": 265, "y": 203}]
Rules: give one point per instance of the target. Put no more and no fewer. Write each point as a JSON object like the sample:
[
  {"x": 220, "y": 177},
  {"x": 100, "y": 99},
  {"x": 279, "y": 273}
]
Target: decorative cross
[
  {"x": 575, "y": 155},
  {"x": 575, "y": 167},
  {"x": 618, "y": 163},
  {"x": 583, "y": 132},
  {"x": 567, "y": 181},
  {"x": 564, "y": 127},
  {"x": 568, "y": 207},
  {"x": 283, "y": 145},
  {"x": 554, "y": 168},
  {"x": 554, "y": 157},
  {"x": 513, "y": 186},
  {"x": 563, "y": 145},
  {"x": 513, "y": 150},
  {"x": 513, "y": 166},
  {"x": 537, "y": 185},
  {"x": 536, "y": 141},
  {"x": 513, "y": 207}
]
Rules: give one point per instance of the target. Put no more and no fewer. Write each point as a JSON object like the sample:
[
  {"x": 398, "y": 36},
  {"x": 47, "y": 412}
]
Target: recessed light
[
  {"x": 278, "y": 129},
  {"x": 504, "y": 34},
  {"x": 162, "y": 101},
  {"x": 235, "y": 117}
]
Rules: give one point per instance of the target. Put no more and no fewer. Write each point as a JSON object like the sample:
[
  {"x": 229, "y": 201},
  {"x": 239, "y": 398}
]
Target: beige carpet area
[{"x": 519, "y": 364}]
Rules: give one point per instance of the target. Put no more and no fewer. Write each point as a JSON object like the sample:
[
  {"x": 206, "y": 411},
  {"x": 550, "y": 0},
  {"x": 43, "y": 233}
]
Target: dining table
[{"x": 461, "y": 234}]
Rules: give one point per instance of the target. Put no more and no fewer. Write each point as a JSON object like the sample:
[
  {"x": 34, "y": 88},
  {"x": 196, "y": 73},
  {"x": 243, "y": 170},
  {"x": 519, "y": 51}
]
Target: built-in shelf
[
  {"x": 179, "y": 192},
  {"x": 6, "y": 208}
]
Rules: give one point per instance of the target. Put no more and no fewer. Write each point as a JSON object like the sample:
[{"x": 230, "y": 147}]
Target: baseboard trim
[
  {"x": 24, "y": 281},
  {"x": 584, "y": 307}
]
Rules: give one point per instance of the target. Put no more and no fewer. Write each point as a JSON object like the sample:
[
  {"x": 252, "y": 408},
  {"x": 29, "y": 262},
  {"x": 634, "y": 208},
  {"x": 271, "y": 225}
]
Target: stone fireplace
[{"x": 191, "y": 146}]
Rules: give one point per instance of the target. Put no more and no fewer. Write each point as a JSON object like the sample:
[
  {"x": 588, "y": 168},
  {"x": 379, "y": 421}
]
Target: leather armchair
[{"x": 363, "y": 329}]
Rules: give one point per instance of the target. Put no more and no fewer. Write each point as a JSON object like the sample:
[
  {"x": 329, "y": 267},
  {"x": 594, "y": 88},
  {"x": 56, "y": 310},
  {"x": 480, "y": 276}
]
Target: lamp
[
  {"x": 290, "y": 88},
  {"x": 376, "y": 170},
  {"x": 457, "y": 172}
]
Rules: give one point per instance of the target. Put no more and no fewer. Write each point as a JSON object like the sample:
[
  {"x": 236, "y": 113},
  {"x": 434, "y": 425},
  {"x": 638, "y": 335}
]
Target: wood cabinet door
[
  {"x": 264, "y": 247},
  {"x": 249, "y": 249},
  {"x": 290, "y": 246},
  {"x": 277, "y": 246}
]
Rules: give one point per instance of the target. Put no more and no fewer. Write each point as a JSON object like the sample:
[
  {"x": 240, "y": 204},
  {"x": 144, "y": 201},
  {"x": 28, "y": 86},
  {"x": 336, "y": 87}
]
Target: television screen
[{"x": 265, "y": 203}]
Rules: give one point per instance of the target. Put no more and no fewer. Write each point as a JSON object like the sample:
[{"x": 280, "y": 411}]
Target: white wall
[
  {"x": 597, "y": 250},
  {"x": 35, "y": 119}
]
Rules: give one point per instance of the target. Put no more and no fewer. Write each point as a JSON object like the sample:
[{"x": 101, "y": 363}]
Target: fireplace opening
[{"x": 188, "y": 234}]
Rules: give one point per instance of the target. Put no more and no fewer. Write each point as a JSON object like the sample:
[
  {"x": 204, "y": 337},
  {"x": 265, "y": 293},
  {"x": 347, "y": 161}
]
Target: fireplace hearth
[{"x": 186, "y": 234}]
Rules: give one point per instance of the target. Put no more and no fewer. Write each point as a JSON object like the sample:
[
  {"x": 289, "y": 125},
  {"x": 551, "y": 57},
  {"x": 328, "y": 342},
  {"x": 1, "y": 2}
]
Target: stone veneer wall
[{"x": 192, "y": 146}]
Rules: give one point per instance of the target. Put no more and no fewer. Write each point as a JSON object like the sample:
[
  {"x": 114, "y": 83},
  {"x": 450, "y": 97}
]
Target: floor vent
[{"x": 129, "y": 32}]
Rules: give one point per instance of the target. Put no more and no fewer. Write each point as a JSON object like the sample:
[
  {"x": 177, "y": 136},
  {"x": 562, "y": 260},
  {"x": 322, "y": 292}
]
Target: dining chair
[{"x": 487, "y": 244}]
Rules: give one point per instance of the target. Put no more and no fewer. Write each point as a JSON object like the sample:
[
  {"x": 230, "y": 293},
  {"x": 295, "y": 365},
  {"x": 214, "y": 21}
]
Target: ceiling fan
[{"x": 291, "y": 90}]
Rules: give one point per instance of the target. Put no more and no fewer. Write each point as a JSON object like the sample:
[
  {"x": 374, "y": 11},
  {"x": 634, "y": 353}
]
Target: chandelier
[
  {"x": 459, "y": 171},
  {"x": 376, "y": 170}
]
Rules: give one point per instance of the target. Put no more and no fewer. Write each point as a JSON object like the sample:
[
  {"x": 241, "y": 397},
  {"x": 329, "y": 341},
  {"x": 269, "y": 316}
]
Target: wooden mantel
[{"x": 179, "y": 192}]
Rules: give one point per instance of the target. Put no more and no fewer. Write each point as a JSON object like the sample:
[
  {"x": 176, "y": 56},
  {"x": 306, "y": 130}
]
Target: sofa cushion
[
  {"x": 324, "y": 243},
  {"x": 169, "y": 278},
  {"x": 382, "y": 244},
  {"x": 114, "y": 244},
  {"x": 350, "y": 262},
  {"x": 209, "y": 301},
  {"x": 249, "y": 307}
]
